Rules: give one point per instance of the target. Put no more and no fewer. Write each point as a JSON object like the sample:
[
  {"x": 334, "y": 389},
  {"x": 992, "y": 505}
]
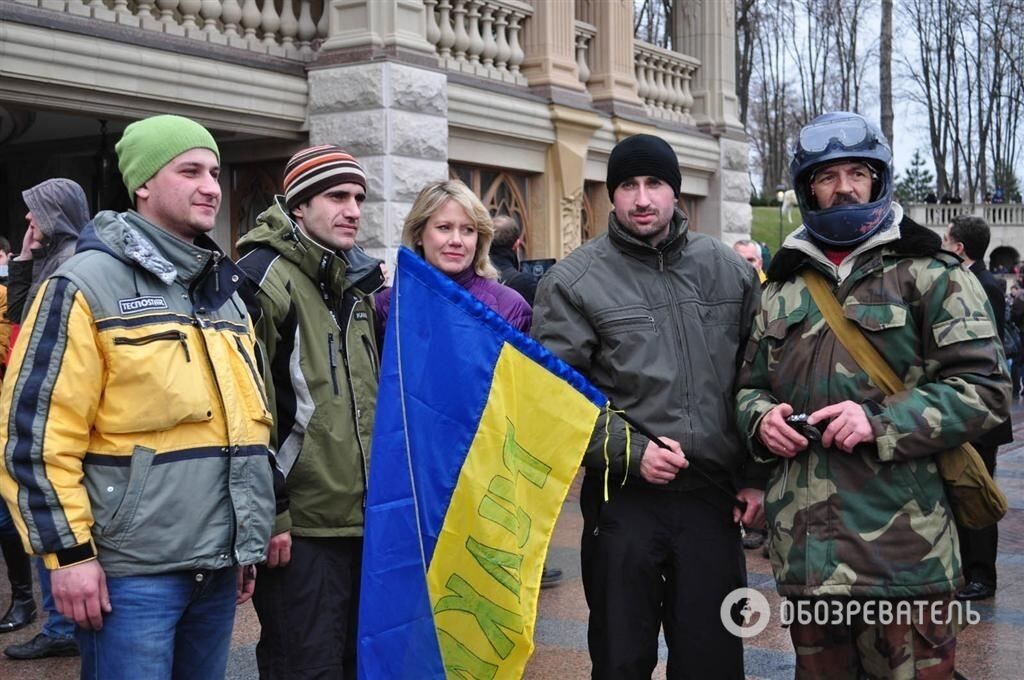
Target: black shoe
[
  {"x": 975, "y": 590},
  {"x": 42, "y": 646},
  {"x": 550, "y": 577}
]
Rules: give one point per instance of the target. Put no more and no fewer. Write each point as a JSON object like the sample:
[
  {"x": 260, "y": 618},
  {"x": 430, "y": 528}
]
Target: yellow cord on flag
[
  {"x": 608, "y": 410},
  {"x": 607, "y": 438}
]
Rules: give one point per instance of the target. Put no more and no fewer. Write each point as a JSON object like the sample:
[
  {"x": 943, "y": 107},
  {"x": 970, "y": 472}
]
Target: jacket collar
[
  {"x": 201, "y": 266},
  {"x": 668, "y": 249},
  {"x": 903, "y": 237}
]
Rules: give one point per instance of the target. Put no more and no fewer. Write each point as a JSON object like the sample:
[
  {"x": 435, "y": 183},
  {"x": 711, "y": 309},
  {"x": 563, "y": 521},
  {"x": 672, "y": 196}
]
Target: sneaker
[
  {"x": 41, "y": 647},
  {"x": 975, "y": 590}
]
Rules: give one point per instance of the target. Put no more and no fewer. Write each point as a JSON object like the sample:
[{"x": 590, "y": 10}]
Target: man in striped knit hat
[{"x": 312, "y": 305}]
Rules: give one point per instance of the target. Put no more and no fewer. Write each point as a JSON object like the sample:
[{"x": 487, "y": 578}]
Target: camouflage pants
[{"x": 917, "y": 650}]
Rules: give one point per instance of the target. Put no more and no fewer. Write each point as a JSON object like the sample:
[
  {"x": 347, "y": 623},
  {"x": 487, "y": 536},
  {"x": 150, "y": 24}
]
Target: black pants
[
  {"x": 654, "y": 559},
  {"x": 308, "y": 611},
  {"x": 978, "y": 547}
]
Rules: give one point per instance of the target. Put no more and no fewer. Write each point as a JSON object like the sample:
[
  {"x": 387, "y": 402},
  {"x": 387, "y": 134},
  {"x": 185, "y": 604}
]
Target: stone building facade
[{"x": 522, "y": 99}]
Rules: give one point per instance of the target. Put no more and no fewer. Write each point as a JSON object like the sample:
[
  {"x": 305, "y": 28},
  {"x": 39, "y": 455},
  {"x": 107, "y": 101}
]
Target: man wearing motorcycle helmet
[{"x": 860, "y": 515}]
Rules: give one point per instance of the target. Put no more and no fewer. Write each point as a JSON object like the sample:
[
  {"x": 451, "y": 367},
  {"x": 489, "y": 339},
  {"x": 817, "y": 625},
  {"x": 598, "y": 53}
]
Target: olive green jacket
[{"x": 313, "y": 312}]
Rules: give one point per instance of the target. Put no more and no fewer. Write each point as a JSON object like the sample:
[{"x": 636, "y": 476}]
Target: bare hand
[
  {"x": 753, "y": 516},
  {"x": 849, "y": 426},
  {"x": 80, "y": 593},
  {"x": 280, "y": 552},
  {"x": 777, "y": 436},
  {"x": 33, "y": 239},
  {"x": 660, "y": 466},
  {"x": 246, "y": 584}
]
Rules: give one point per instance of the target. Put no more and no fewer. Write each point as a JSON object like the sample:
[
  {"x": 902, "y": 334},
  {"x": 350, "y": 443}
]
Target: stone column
[
  {"x": 550, "y": 47},
  {"x": 562, "y": 183},
  {"x": 376, "y": 91},
  {"x": 706, "y": 29},
  {"x": 725, "y": 213},
  {"x": 393, "y": 118},
  {"x": 612, "y": 81},
  {"x": 373, "y": 26}
]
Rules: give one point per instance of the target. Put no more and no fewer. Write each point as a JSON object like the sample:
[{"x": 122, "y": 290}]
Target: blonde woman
[{"x": 451, "y": 229}]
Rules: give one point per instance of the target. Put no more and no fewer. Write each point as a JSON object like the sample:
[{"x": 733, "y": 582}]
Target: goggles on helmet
[{"x": 848, "y": 133}]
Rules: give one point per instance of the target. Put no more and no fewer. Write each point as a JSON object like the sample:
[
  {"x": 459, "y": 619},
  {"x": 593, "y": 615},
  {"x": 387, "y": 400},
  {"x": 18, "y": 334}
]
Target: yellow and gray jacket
[{"x": 134, "y": 422}]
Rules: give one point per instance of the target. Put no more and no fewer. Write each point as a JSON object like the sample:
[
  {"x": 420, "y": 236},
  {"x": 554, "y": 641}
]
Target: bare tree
[
  {"x": 886, "y": 114},
  {"x": 933, "y": 24},
  {"x": 747, "y": 28}
]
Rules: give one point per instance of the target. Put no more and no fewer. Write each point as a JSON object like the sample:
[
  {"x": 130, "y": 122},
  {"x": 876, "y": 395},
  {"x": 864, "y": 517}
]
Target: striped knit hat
[{"x": 317, "y": 169}]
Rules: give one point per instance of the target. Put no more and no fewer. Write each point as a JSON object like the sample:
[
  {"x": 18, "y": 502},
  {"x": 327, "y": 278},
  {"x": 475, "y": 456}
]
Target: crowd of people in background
[{"x": 181, "y": 432}]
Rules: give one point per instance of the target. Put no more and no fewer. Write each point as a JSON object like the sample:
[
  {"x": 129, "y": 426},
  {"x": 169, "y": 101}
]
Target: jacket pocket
[
  {"x": 629, "y": 319},
  {"x": 876, "y": 317},
  {"x": 121, "y": 521},
  {"x": 251, "y": 385},
  {"x": 152, "y": 365}
]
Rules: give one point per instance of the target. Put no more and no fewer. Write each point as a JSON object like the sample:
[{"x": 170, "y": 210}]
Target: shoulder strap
[{"x": 850, "y": 335}]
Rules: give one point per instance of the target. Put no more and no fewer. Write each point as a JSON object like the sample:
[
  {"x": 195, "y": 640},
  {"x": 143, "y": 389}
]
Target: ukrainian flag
[{"x": 479, "y": 433}]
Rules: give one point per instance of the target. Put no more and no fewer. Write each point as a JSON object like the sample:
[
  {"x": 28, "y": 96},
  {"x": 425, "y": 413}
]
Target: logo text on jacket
[{"x": 142, "y": 304}]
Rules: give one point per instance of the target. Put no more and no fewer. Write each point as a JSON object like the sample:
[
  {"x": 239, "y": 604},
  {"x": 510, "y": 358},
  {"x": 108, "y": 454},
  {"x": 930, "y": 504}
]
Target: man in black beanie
[{"x": 657, "y": 317}]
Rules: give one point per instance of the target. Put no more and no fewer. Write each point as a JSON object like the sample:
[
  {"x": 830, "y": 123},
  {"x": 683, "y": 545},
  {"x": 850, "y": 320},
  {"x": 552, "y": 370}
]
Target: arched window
[{"x": 501, "y": 191}]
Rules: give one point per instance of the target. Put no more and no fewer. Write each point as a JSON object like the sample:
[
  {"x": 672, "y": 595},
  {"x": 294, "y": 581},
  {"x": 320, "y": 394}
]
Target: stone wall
[{"x": 393, "y": 118}]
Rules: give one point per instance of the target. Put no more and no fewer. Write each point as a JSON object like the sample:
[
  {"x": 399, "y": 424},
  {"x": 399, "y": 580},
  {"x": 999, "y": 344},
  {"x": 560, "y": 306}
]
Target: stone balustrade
[
  {"x": 584, "y": 37},
  {"x": 245, "y": 24},
  {"x": 663, "y": 81},
  {"x": 479, "y": 37},
  {"x": 939, "y": 215}
]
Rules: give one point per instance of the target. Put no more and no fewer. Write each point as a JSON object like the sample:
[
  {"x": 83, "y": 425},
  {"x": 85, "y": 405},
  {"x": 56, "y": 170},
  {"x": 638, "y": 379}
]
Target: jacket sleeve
[
  {"x": 261, "y": 311},
  {"x": 47, "y": 409},
  {"x": 752, "y": 473},
  {"x": 560, "y": 324},
  {"x": 754, "y": 398},
  {"x": 19, "y": 280},
  {"x": 965, "y": 390}
]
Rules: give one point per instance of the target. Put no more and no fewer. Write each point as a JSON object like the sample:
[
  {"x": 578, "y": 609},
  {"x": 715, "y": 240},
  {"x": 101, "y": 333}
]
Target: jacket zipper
[
  {"x": 157, "y": 337},
  {"x": 252, "y": 373},
  {"x": 333, "y": 362},
  {"x": 356, "y": 411}
]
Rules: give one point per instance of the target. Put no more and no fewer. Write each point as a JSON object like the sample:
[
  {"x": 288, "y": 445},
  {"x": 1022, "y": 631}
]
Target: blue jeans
[{"x": 175, "y": 625}]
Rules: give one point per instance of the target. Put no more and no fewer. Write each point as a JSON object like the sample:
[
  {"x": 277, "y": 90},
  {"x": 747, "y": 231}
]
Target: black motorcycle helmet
[{"x": 836, "y": 137}]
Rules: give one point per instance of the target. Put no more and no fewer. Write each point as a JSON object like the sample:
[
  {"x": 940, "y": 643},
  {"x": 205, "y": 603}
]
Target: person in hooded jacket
[
  {"x": 311, "y": 300},
  {"x": 57, "y": 212}
]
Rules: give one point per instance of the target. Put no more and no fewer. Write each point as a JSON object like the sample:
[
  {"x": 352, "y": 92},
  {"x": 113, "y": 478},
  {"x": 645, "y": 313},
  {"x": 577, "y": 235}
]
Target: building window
[
  {"x": 502, "y": 192},
  {"x": 689, "y": 205}
]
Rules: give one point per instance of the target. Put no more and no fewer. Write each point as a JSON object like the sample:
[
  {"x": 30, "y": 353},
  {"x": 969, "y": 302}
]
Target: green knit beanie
[{"x": 149, "y": 144}]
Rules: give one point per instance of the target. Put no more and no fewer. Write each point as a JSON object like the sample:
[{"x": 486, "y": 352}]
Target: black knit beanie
[{"x": 643, "y": 156}]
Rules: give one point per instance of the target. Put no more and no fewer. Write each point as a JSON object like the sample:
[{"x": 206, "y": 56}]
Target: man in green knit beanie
[{"x": 137, "y": 425}]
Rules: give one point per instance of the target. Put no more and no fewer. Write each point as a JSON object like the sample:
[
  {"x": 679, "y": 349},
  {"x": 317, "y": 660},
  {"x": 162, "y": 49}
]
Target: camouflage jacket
[{"x": 874, "y": 523}]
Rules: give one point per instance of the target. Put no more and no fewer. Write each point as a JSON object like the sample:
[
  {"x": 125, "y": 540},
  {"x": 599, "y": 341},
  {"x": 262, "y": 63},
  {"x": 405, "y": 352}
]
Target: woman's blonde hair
[{"x": 430, "y": 199}]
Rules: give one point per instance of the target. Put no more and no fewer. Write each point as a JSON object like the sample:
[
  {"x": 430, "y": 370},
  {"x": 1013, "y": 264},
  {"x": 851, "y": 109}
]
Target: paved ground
[{"x": 991, "y": 650}]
